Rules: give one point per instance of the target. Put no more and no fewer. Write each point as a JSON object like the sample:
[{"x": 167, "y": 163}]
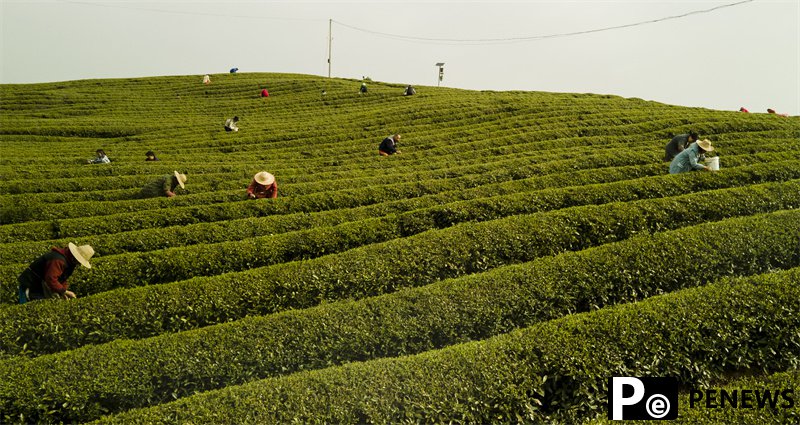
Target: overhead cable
[
  {"x": 456, "y": 41},
  {"x": 190, "y": 13}
]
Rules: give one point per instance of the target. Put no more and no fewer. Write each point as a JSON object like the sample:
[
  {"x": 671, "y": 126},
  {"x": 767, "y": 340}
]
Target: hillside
[{"x": 522, "y": 249}]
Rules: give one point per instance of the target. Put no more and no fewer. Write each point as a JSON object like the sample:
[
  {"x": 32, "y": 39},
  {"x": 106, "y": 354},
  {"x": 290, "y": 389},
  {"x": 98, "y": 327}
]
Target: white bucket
[{"x": 713, "y": 163}]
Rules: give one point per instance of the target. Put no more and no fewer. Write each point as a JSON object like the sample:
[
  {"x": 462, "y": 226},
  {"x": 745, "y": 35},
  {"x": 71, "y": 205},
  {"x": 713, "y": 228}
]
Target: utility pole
[{"x": 330, "y": 25}]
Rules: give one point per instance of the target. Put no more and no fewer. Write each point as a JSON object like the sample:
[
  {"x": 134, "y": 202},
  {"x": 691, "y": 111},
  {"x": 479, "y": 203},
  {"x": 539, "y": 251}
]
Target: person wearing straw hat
[
  {"x": 46, "y": 277},
  {"x": 688, "y": 159},
  {"x": 164, "y": 186},
  {"x": 678, "y": 144},
  {"x": 263, "y": 186}
]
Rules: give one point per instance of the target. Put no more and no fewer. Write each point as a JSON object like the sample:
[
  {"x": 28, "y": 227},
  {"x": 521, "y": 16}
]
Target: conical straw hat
[
  {"x": 82, "y": 253},
  {"x": 265, "y": 178},
  {"x": 181, "y": 179}
]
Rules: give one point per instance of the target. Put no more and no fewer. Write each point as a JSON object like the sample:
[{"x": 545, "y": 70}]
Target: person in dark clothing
[
  {"x": 46, "y": 277},
  {"x": 163, "y": 186},
  {"x": 263, "y": 186},
  {"x": 409, "y": 91},
  {"x": 678, "y": 144},
  {"x": 772, "y": 111},
  {"x": 389, "y": 145},
  {"x": 363, "y": 88},
  {"x": 150, "y": 156}
]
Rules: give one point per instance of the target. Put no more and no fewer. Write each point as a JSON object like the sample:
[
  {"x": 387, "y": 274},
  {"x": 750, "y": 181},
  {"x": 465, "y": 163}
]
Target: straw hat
[
  {"x": 706, "y": 145},
  {"x": 81, "y": 253},
  {"x": 181, "y": 179},
  {"x": 264, "y": 178}
]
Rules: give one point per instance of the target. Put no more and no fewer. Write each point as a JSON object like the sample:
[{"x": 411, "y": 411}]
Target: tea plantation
[{"x": 523, "y": 248}]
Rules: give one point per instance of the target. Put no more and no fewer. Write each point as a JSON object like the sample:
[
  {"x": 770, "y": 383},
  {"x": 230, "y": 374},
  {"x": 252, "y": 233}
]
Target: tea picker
[
  {"x": 678, "y": 144},
  {"x": 263, "y": 186},
  {"x": 46, "y": 277},
  {"x": 389, "y": 145},
  {"x": 687, "y": 160},
  {"x": 164, "y": 186}
]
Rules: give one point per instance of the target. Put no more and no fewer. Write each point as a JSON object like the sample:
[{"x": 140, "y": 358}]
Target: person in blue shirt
[{"x": 687, "y": 160}]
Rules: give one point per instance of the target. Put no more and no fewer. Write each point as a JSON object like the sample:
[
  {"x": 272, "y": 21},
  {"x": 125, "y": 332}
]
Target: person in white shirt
[
  {"x": 230, "y": 124},
  {"x": 100, "y": 159}
]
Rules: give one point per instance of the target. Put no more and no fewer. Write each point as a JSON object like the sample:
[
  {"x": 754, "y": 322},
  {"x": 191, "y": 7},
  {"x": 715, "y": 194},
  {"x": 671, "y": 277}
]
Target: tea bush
[
  {"x": 553, "y": 371},
  {"x": 474, "y": 307},
  {"x": 366, "y": 271},
  {"x": 506, "y": 210}
]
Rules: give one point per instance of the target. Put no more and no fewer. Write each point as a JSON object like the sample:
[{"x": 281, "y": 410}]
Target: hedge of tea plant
[
  {"x": 364, "y": 271},
  {"x": 486, "y": 180},
  {"x": 552, "y": 371},
  {"x": 474, "y": 307},
  {"x": 580, "y": 183}
]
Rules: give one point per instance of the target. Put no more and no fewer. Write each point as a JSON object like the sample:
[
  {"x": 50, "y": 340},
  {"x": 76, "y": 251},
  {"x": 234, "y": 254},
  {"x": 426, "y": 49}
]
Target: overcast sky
[{"x": 744, "y": 55}]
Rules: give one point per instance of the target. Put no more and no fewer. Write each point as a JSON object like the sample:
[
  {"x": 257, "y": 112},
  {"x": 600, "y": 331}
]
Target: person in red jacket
[
  {"x": 46, "y": 277},
  {"x": 263, "y": 186},
  {"x": 264, "y": 93}
]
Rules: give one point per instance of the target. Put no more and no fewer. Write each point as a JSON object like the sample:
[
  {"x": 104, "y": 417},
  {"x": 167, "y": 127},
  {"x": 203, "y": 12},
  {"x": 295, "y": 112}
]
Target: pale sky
[{"x": 744, "y": 55}]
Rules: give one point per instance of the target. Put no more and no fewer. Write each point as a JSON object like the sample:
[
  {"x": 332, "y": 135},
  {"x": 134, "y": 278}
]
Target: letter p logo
[
  {"x": 627, "y": 395},
  {"x": 618, "y": 399}
]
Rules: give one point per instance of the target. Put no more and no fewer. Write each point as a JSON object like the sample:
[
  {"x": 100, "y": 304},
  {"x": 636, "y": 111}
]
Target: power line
[
  {"x": 451, "y": 41},
  {"x": 455, "y": 41},
  {"x": 189, "y": 13}
]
